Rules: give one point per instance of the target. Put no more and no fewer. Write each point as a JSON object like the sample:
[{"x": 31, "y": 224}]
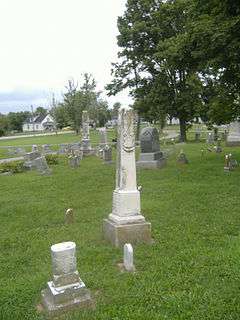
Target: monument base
[
  {"x": 154, "y": 160},
  {"x": 119, "y": 234},
  {"x": 55, "y": 300}
]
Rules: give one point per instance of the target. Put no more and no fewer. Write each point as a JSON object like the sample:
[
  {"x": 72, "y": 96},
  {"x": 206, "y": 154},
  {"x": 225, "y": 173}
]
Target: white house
[{"x": 39, "y": 123}]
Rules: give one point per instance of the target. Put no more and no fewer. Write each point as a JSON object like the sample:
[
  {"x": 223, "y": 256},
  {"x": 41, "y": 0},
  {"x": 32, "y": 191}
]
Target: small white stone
[{"x": 128, "y": 257}]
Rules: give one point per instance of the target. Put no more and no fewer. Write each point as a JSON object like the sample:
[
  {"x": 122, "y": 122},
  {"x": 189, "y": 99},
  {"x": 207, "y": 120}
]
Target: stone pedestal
[
  {"x": 153, "y": 160},
  {"x": 150, "y": 156},
  {"x": 67, "y": 290},
  {"x": 233, "y": 138},
  {"x": 118, "y": 234},
  {"x": 126, "y": 223}
]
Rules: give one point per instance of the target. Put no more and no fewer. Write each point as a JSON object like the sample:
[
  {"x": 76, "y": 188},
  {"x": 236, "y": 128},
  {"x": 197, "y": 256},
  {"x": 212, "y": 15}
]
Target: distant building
[{"x": 39, "y": 123}]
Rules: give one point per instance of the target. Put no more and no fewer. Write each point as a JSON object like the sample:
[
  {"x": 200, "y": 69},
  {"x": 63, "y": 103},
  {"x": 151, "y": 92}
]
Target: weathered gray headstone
[
  {"x": 128, "y": 257},
  {"x": 107, "y": 154},
  {"x": 40, "y": 164},
  {"x": 103, "y": 137},
  {"x": 126, "y": 223},
  {"x": 233, "y": 138},
  {"x": 150, "y": 157},
  {"x": 75, "y": 146},
  {"x": 29, "y": 159},
  {"x": 66, "y": 290},
  {"x": 210, "y": 138},
  {"x": 74, "y": 161},
  {"x": 218, "y": 147}
]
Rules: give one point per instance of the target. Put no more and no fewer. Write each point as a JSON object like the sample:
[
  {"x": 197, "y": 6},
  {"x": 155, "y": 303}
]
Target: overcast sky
[{"x": 46, "y": 42}]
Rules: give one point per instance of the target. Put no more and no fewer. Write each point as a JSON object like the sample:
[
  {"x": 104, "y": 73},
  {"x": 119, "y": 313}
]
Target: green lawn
[{"x": 191, "y": 271}]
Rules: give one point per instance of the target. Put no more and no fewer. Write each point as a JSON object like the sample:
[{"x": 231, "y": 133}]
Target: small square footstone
[{"x": 66, "y": 291}]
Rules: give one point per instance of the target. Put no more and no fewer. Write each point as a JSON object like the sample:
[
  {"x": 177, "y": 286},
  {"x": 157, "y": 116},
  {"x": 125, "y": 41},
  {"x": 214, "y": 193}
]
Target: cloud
[{"x": 18, "y": 100}]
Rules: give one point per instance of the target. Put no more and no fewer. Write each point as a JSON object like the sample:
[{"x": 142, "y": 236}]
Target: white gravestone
[
  {"x": 233, "y": 138},
  {"x": 103, "y": 137},
  {"x": 126, "y": 223},
  {"x": 128, "y": 257},
  {"x": 67, "y": 289},
  {"x": 86, "y": 144}
]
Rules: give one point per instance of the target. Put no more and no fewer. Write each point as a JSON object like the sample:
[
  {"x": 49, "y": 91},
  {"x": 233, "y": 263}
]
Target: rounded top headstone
[
  {"x": 63, "y": 246},
  {"x": 149, "y": 140}
]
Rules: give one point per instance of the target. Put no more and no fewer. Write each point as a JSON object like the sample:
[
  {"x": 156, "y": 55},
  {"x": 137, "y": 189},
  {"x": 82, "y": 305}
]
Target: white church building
[{"x": 39, "y": 123}]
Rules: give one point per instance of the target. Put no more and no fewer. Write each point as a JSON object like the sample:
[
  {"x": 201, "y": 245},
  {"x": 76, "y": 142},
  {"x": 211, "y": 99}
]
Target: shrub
[
  {"x": 13, "y": 166},
  {"x": 52, "y": 159}
]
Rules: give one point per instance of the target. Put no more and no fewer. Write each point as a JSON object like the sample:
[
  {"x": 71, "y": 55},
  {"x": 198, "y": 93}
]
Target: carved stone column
[{"x": 126, "y": 223}]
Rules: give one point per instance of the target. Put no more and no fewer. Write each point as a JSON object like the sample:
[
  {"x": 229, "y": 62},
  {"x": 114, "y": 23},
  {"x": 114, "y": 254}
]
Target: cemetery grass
[{"x": 191, "y": 271}]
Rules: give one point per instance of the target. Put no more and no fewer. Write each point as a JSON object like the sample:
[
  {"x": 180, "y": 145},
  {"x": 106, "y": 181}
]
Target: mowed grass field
[{"x": 191, "y": 271}]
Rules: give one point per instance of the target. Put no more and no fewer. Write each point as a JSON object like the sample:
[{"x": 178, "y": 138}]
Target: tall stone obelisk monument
[
  {"x": 86, "y": 144},
  {"x": 126, "y": 224}
]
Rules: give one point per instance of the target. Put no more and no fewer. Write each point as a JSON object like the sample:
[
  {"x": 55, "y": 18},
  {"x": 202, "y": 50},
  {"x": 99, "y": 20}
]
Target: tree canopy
[{"x": 180, "y": 58}]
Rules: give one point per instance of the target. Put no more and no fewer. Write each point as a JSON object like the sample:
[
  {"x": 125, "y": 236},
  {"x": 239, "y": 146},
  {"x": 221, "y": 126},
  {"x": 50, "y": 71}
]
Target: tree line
[{"x": 180, "y": 58}]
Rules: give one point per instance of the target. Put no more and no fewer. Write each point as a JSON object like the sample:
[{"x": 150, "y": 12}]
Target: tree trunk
[{"x": 183, "y": 133}]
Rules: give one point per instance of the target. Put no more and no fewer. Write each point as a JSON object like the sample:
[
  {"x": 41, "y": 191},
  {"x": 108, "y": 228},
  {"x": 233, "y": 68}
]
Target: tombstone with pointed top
[
  {"x": 182, "y": 158},
  {"x": 150, "y": 157},
  {"x": 66, "y": 290},
  {"x": 128, "y": 257},
  {"x": 233, "y": 138},
  {"x": 126, "y": 223}
]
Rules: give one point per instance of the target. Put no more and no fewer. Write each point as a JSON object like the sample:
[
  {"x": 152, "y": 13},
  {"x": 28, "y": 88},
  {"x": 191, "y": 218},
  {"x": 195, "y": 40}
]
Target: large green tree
[
  {"x": 79, "y": 97},
  {"x": 154, "y": 61}
]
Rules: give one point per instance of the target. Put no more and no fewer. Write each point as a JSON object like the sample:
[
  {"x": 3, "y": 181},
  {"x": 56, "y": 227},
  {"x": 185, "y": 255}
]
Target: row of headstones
[{"x": 20, "y": 151}]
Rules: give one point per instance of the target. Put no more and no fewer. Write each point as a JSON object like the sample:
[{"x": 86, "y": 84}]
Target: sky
[{"x": 46, "y": 42}]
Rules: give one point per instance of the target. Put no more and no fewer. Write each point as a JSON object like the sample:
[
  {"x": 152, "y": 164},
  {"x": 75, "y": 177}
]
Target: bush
[
  {"x": 13, "y": 166},
  {"x": 52, "y": 159}
]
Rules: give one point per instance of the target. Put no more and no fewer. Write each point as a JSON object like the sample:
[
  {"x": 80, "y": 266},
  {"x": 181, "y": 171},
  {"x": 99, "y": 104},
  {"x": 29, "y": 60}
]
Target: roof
[{"x": 37, "y": 119}]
